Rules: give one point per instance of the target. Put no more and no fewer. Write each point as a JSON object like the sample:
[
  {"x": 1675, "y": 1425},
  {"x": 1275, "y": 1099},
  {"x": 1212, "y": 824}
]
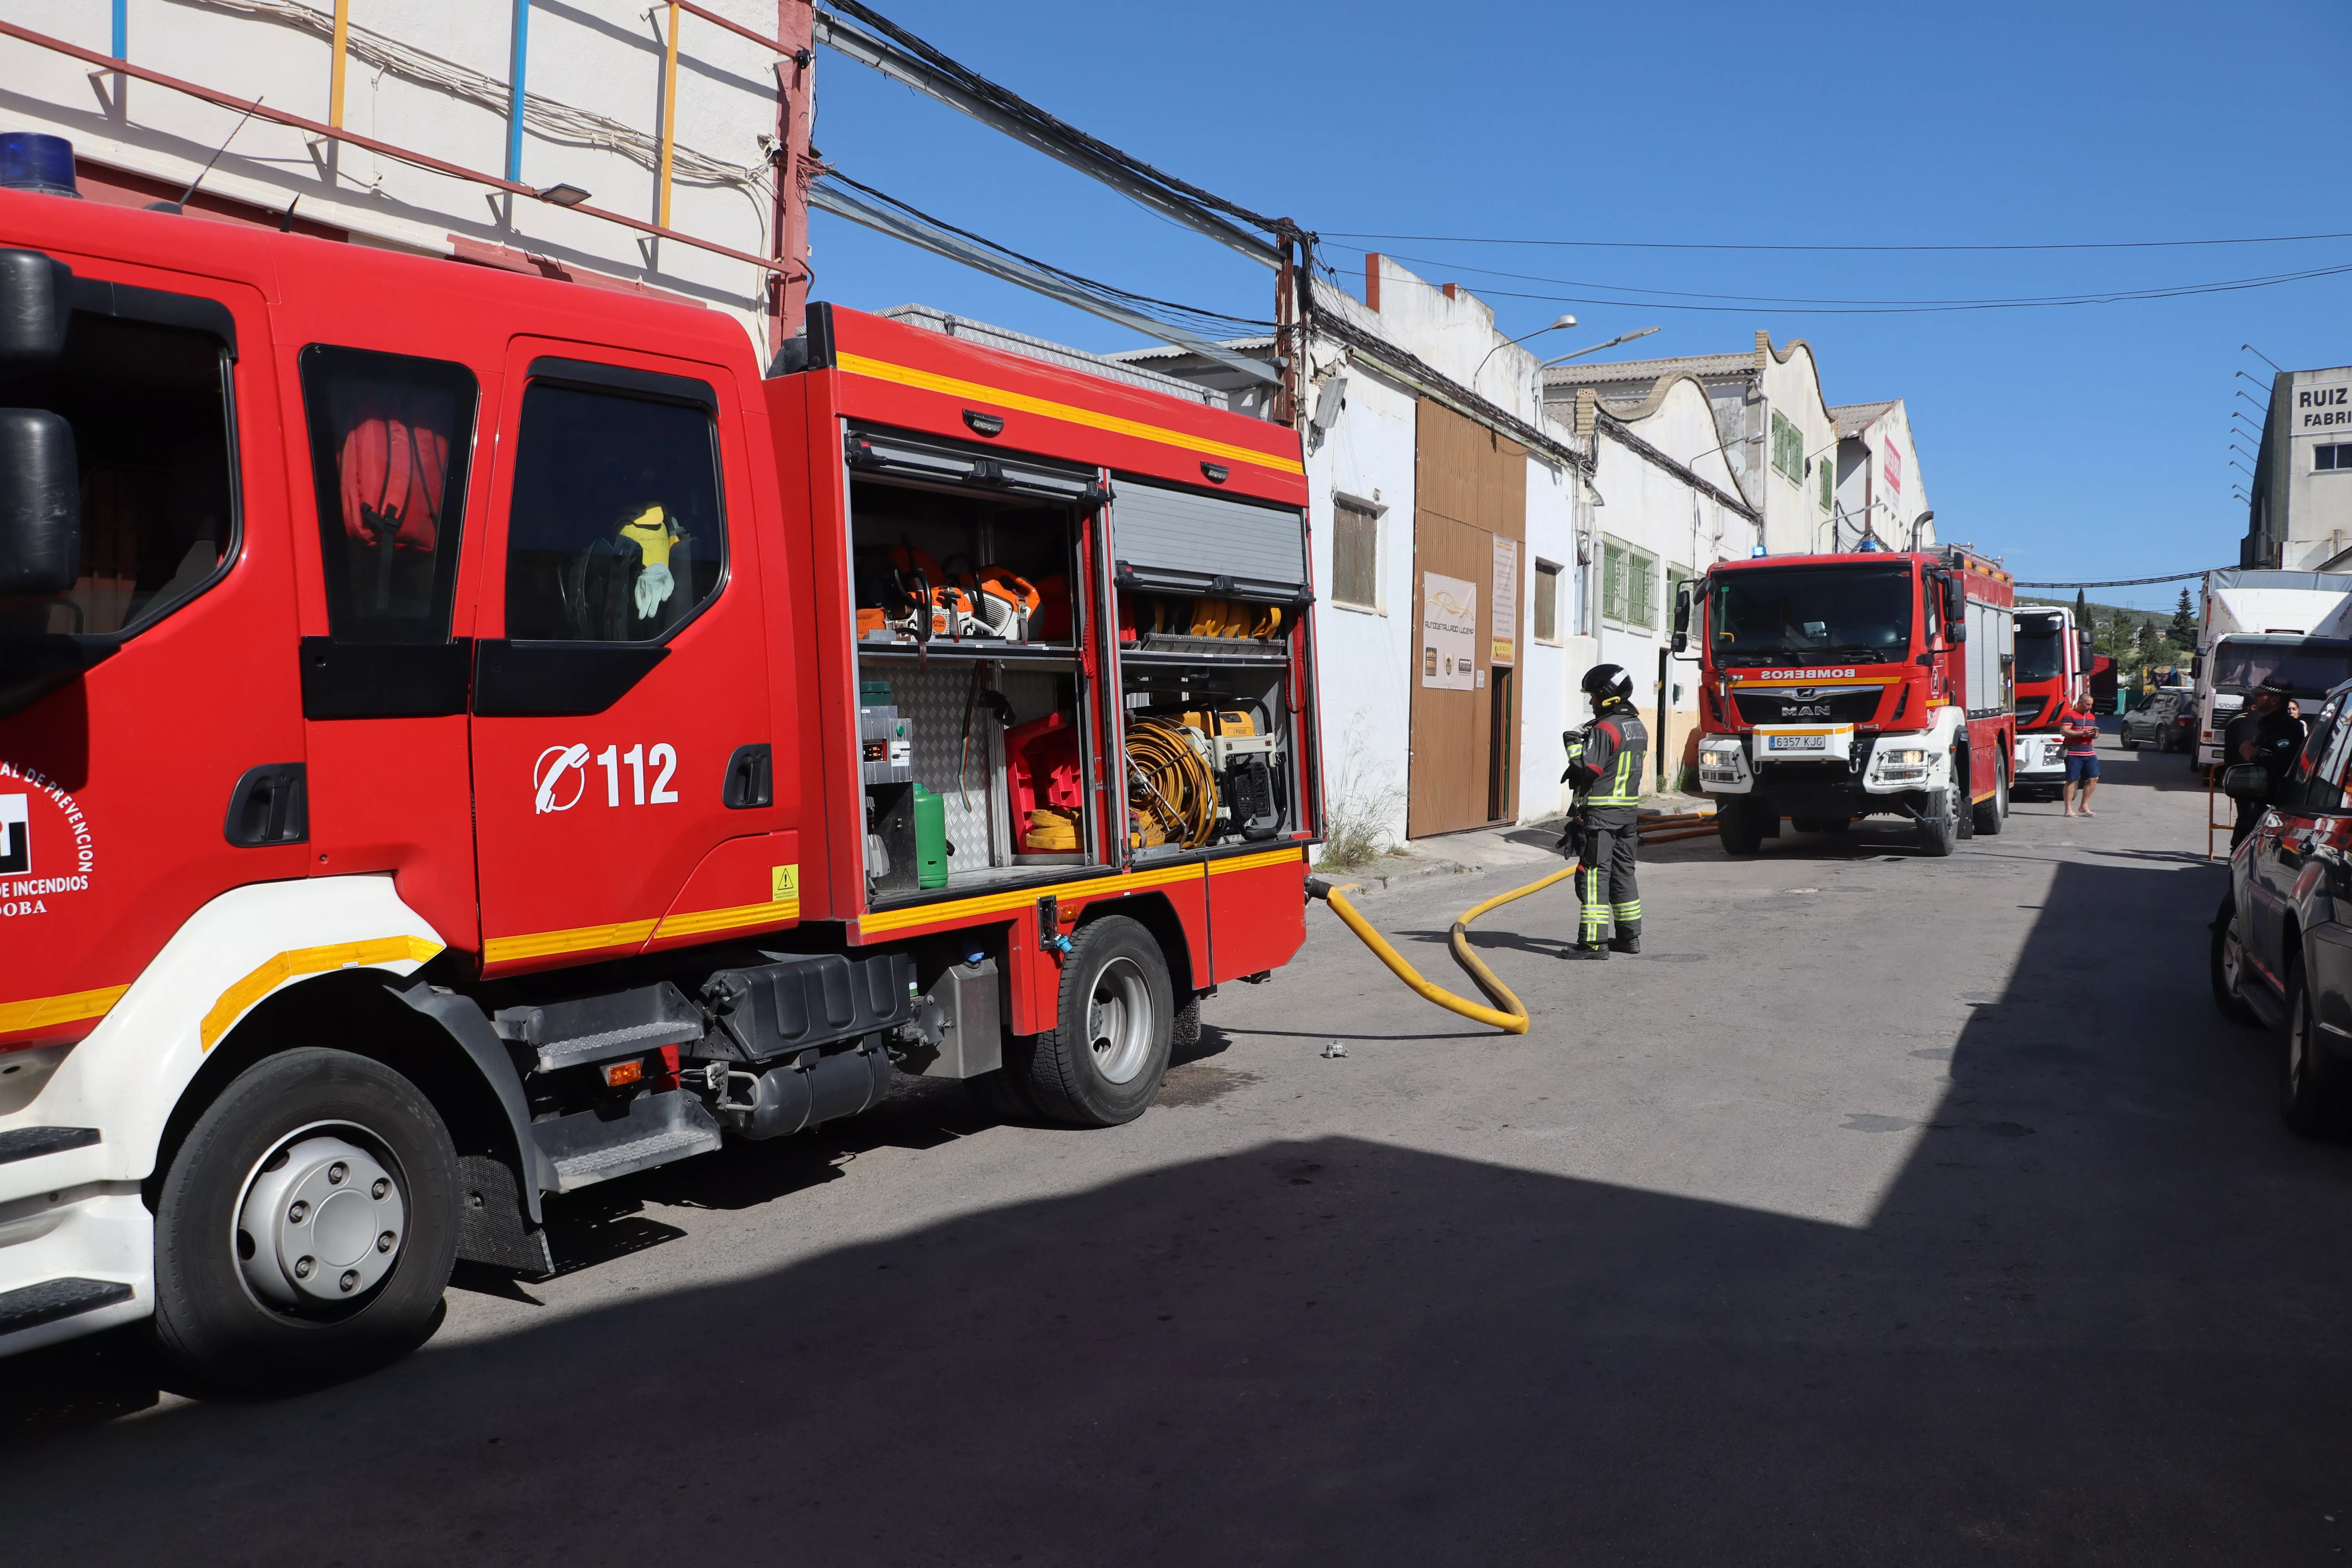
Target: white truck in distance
[{"x": 2258, "y": 625}]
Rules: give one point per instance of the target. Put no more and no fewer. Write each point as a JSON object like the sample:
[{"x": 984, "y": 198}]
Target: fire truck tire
[
  {"x": 1102, "y": 1063},
  {"x": 2230, "y": 963},
  {"x": 1992, "y": 811},
  {"x": 306, "y": 1226},
  {"x": 1939, "y": 824},
  {"x": 1736, "y": 828},
  {"x": 1002, "y": 1093},
  {"x": 2309, "y": 1098}
]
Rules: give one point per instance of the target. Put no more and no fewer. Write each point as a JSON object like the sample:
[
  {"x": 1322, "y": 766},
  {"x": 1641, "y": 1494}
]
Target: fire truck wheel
[
  {"x": 1736, "y": 825},
  {"x": 306, "y": 1228},
  {"x": 1939, "y": 824},
  {"x": 2307, "y": 1089},
  {"x": 2230, "y": 963},
  {"x": 1991, "y": 811},
  {"x": 1102, "y": 1062}
]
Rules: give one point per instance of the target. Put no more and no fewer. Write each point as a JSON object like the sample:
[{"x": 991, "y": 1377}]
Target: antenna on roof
[{"x": 189, "y": 194}]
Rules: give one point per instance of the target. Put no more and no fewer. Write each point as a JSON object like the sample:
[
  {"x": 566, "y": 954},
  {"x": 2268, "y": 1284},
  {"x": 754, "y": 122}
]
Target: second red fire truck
[
  {"x": 466, "y": 737},
  {"x": 1839, "y": 687}
]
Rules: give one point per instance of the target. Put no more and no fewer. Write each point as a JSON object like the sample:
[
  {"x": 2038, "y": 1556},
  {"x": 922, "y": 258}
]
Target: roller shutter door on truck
[{"x": 1177, "y": 538}]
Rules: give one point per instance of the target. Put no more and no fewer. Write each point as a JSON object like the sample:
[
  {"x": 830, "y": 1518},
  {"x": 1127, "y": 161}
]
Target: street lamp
[
  {"x": 1556, "y": 326},
  {"x": 1619, "y": 338},
  {"x": 2264, "y": 357}
]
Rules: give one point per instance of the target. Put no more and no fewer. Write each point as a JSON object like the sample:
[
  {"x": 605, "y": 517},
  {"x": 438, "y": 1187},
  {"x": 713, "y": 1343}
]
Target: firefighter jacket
[{"x": 1604, "y": 765}]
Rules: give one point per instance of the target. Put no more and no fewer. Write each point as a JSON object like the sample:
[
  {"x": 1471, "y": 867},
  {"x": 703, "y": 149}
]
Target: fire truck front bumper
[
  {"x": 1846, "y": 774},
  {"x": 2040, "y": 759}
]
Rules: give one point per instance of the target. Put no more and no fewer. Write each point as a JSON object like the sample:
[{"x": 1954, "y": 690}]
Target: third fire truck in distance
[
  {"x": 2052, "y": 659},
  {"x": 1837, "y": 687}
]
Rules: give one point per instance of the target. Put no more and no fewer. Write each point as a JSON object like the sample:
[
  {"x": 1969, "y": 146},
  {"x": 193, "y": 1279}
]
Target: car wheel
[
  {"x": 2229, "y": 964},
  {"x": 306, "y": 1227},
  {"x": 1736, "y": 828},
  {"x": 2127, "y": 742},
  {"x": 2306, "y": 1087},
  {"x": 1102, "y": 1061}
]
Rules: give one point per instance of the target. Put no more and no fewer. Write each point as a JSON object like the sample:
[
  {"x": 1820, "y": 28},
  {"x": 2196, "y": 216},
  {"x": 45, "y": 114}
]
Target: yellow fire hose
[{"x": 1508, "y": 1013}]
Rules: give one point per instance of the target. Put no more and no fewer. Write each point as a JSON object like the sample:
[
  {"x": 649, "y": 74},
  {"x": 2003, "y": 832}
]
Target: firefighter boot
[{"x": 1628, "y": 938}]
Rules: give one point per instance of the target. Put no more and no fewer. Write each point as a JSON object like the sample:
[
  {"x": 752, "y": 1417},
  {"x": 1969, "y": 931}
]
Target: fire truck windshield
[
  {"x": 2038, "y": 649},
  {"x": 1802, "y": 615}
]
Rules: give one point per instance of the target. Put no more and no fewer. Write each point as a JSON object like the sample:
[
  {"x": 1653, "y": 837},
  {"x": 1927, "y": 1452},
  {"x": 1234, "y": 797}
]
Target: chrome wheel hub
[
  {"x": 321, "y": 1224},
  {"x": 1119, "y": 1021}
]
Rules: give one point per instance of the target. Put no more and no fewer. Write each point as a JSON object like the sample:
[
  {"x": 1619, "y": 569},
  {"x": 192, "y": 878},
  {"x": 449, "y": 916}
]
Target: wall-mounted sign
[
  {"x": 1507, "y": 602},
  {"x": 1893, "y": 470},
  {"x": 1449, "y": 632}
]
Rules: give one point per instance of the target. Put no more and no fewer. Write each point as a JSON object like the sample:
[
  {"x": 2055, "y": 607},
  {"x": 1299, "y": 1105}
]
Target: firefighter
[{"x": 1604, "y": 767}]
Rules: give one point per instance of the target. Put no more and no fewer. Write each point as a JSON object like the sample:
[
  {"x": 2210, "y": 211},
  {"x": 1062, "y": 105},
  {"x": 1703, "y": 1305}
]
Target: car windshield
[
  {"x": 2313, "y": 669},
  {"x": 1802, "y": 614},
  {"x": 2038, "y": 649}
]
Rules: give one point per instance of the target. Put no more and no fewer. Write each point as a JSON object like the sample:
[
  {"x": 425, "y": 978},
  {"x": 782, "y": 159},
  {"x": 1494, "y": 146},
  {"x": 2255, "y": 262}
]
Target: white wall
[
  {"x": 431, "y": 76},
  {"x": 1795, "y": 523},
  {"x": 1656, "y": 511},
  {"x": 1365, "y": 658}
]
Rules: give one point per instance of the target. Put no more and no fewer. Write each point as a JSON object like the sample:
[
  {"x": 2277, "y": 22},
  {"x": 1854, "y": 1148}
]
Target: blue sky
[{"x": 2085, "y": 442}]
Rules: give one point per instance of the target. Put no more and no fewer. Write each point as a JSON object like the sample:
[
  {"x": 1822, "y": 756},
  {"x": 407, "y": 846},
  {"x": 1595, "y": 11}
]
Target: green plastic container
[{"x": 930, "y": 839}]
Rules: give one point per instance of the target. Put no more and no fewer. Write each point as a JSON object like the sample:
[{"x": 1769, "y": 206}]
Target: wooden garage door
[{"x": 1470, "y": 490}]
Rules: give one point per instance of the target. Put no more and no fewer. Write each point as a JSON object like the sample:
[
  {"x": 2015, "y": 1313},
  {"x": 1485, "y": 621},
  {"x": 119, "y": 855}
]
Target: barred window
[{"x": 1629, "y": 585}]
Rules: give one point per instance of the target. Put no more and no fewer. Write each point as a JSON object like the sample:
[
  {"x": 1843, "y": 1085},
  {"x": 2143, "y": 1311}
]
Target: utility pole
[{"x": 793, "y": 168}]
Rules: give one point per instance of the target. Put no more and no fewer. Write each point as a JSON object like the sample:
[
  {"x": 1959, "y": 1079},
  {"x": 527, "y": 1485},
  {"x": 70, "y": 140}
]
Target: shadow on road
[{"x": 2094, "y": 1321}]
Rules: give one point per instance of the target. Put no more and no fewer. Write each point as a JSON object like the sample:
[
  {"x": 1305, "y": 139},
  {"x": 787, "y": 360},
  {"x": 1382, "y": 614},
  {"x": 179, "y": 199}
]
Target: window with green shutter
[
  {"x": 1829, "y": 480},
  {"x": 1788, "y": 448}
]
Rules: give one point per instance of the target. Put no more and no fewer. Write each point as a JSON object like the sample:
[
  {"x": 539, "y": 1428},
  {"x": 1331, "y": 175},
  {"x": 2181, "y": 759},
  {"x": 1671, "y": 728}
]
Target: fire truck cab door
[{"x": 620, "y": 673}]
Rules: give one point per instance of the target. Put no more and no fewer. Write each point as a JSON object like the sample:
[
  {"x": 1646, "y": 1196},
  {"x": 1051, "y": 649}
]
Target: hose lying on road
[{"x": 1508, "y": 1013}]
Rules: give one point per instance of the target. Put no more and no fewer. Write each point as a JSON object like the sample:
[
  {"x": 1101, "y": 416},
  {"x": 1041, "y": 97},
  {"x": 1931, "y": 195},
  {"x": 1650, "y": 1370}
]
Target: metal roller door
[{"x": 1185, "y": 540}]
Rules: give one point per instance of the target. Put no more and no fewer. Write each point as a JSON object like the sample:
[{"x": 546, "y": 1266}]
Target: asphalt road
[{"x": 1885, "y": 1211}]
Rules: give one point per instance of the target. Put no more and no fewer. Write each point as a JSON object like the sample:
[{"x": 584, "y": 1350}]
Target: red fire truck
[
  {"x": 2053, "y": 657},
  {"x": 466, "y": 737},
  {"x": 1837, "y": 687}
]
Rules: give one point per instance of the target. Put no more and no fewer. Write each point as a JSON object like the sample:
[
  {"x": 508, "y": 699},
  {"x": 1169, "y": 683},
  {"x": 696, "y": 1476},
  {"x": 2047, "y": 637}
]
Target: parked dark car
[
  {"x": 2162, "y": 718},
  {"x": 2282, "y": 953}
]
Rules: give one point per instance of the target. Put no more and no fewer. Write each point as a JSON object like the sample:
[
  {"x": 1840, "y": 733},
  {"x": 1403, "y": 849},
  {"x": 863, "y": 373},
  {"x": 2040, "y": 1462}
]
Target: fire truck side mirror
[
  {"x": 1956, "y": 609},
  {"x": 40, "y": 504},
  {"x": 1682, "y": 616},
  {"x": 35, "y": 306}
]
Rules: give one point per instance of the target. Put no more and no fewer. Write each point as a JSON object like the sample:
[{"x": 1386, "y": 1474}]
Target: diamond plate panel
[{"x": 933, "y": 700}]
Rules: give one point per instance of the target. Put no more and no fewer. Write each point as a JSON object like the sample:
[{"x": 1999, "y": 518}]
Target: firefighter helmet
[{"x": 1608, "y": 683}]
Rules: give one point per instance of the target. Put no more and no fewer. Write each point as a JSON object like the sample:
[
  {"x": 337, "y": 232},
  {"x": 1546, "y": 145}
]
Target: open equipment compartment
[
  {"x": 1210, "y": 597},
  {"x": 969, "y": 607}
]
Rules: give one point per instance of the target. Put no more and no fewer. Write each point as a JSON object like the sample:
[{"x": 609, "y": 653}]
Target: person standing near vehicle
[
  {"x": 2268, "y": 731},
  {"x": 1604, "y": 765},
  {"x": 2081, "y": 728}
]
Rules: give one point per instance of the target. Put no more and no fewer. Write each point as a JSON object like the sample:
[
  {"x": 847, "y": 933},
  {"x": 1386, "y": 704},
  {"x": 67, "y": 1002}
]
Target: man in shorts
[{"x": 2080, "y": 729}]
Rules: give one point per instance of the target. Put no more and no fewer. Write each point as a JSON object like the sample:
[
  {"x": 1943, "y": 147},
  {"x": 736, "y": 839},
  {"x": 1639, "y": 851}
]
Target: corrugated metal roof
[
  {"x": 1853, "y": 418},
  {"x": 931, "y": 319},
  {"x": 1703, "y": 366}
]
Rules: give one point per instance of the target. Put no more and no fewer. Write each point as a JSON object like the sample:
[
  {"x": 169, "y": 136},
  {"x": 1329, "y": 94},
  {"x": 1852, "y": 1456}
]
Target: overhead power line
[
  {"x": 1182, "y": 325},
  {"x": 906, "y": 58},
  {"x": 2124, "y": 581},
  {"x": 1662, "y": 298},
  {"x": 1696, "y": 244}
]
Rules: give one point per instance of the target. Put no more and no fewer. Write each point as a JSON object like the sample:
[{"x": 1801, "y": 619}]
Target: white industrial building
[
  {"x": 2299, "y": 514},
  {"x": 591, "y": 108}
]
